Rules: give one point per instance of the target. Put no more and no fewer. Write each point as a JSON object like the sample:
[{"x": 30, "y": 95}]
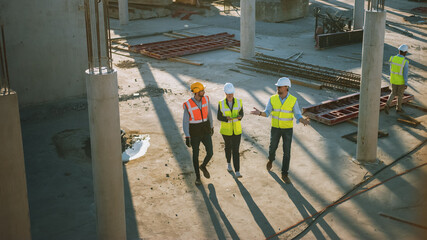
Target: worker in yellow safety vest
[
  {"x": 198, "y": 127},
  {"x": 399, "y": 66},
  {"x": 282, "y": 107},
  {"x": 230, "y": 114}
]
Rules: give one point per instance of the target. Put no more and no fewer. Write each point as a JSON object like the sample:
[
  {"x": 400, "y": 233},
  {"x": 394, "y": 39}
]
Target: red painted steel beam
[
  {"x": 339, "y": 110},
  {"x": 185, "y": 46}
]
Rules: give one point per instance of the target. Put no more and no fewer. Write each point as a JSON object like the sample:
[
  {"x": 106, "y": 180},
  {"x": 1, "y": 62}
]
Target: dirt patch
[
  {"x": 126, "y": 64},
  {"x": 73, "y": 144},
  {"x": 151, "y": 91}
]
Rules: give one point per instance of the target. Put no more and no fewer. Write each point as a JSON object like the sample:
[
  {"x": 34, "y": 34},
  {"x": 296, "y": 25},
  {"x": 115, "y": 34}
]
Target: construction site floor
[{"x": 162, "y": 201}]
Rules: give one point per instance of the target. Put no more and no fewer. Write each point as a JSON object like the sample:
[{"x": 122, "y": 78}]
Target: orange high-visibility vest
[{"x": 197, "y": 115}]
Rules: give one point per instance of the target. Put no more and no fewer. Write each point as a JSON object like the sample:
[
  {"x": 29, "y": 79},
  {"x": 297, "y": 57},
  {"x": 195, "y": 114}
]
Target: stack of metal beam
[{"x": 329, "y": 77}]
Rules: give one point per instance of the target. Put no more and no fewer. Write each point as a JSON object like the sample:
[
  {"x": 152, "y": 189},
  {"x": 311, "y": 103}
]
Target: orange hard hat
[{"x": 197, "y": 87}]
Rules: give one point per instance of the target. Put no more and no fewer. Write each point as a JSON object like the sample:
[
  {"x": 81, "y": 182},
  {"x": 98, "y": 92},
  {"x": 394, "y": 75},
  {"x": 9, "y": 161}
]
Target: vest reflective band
[
  {"x": 282, "y": 115},
  {"x": 232, "y": 126},
  {"x": 396, "y": 70},
  {"x": 197, "y": 115}
]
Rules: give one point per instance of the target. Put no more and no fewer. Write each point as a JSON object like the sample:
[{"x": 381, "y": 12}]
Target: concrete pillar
[
  {"x": 123, "y": 12},
  {"x": 370, "y": 87},
  {"x": 14, "y": 211},
  {"x": 104, "y": 123},
  {"x": 247, "y": 29},
  {"x": 358, "y": 14}
]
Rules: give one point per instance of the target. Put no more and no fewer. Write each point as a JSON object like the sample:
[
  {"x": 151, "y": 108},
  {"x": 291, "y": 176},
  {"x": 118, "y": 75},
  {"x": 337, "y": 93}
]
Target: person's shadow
[
  {"x": 257, "y": 214},
  {"x": 214, "y": 200},
  {"x": 306, "y": 210}
]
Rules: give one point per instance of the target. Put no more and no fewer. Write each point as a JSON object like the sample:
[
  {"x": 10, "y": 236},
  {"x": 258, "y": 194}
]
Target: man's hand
[
  {"x": 305, "y": 121},
  {"x": 188, "y": 141},
  {"x": 229, "y": 118},
  {"x": 256, "y": 111},
  {"x": 212, "y": 131}
]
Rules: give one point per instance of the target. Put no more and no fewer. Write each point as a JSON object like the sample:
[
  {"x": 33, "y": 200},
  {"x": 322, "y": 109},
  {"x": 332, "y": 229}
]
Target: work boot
[
  {"x": 198, "y": 181},
  {"x": 386, "y": 108},
  {"x": 238, "y": 175},
  {"x": 269, "y": 165},
  {"x": 229, "y": 168},
  {"x": 285, "y": 178},
  {"x": 205, "y": 171},
  {"x": 399, "y": 110}
]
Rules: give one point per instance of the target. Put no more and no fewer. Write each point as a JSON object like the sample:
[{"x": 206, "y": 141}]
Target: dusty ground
[{"x": 162, "y": 201}]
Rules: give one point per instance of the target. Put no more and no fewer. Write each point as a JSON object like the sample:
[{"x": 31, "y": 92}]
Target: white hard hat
[
  {"x": 228, "y": 88},
  {"x": 284, "y": 81},
  {"x": 403, "y": 48}
]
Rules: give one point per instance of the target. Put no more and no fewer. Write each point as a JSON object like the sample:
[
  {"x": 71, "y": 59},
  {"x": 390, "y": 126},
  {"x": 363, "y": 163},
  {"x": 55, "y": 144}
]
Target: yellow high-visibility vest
[
  {"x": 232, "y": 126},
  {"x": 282, "y": 115},
  {"x": 396, "y": 70}
]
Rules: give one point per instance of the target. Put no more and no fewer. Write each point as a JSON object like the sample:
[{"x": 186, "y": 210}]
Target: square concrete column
[{"x": 14, "y": 210}]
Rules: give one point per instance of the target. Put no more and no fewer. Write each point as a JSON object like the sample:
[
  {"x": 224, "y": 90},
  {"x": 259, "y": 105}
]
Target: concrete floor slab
[{"x": 162, "y": 201}]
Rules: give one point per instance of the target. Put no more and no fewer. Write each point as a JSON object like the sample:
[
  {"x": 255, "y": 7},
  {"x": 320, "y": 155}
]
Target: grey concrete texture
[
  {"x": 161, "y": 199},
  {"x": 46, "y": 49}
]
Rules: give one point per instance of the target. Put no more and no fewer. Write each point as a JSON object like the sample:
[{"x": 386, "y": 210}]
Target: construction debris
[
  {"x": 342, "y": 109},
  {"x": 328, "y": 77},
  {"x": 185, "y": 46},
  {"x": 408, "y": 120}
]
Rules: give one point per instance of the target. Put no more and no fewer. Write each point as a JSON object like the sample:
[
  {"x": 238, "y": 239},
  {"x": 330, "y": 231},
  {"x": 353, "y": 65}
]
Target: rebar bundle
[{"x": 329, "y": 77}]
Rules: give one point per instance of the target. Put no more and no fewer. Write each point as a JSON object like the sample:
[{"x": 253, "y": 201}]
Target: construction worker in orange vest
[
  {"x": 398, "y": 78},
  {"x": 198, "y": 127},
  {"x": 283, "y": 107}
]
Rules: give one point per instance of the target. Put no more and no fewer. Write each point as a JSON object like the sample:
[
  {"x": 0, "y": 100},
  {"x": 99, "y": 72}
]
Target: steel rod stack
[
  {"x": 329, "y": 77},
  {"x": 100, "y": 54},
  {"x": 4, "y": 78}
]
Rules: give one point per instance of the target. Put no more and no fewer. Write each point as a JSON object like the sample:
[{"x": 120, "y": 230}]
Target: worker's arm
[
  {"x": 210, "y": 114},
  {"x": 405, "y": 72},
  {"x": 220, "y": 116},
  {"x": 241, "y": 114},
  {"x": 266, "y": 112},
  {"x": 186, "y": 122},
  {"x": 298, "y": 115}
]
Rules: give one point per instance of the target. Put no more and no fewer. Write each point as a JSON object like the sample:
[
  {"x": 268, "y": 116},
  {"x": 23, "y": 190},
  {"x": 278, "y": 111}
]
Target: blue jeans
[
  {"x": 286, "y": 135},
  {"x": 195, "y": 143}
]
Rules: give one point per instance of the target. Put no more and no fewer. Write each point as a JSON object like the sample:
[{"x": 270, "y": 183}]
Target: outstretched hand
[{"x": 256, "y": 111}]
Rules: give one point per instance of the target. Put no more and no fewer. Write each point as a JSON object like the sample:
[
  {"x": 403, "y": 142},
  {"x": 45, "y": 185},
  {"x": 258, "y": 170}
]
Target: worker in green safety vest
[
  {"x": 230, "y": 114},
  {"x": 282, "y": 107},
  {"x": 398, "y": 78}
]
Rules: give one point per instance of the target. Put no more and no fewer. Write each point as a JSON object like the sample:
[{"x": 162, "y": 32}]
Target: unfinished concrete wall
[
  {"x": 280, "y": 10},
  {"x": 46, "y": 48}
]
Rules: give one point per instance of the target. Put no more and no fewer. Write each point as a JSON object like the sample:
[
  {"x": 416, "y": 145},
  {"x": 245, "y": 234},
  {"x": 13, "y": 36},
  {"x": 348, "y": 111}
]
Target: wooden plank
[
  {"x": 184, "y": 60},
  {"x": 408, "y": 122}
]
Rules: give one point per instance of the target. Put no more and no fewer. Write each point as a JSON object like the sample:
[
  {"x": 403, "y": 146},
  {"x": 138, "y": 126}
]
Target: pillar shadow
[
  {"x": 306, "y": 210},
  {"x": 257, "y": 214},
  {"x": 219, "y": 232},
  {"x": 214, "y": 200}
]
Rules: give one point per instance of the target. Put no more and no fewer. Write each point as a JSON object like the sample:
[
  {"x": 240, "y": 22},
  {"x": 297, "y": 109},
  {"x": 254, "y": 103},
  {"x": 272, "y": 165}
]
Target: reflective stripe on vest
[
  {"x": 232, "y": 126},
  {"x": 197, "y": 115},
  {"x": 282, "y": 115},
  {"x": 396, "y": 70}
]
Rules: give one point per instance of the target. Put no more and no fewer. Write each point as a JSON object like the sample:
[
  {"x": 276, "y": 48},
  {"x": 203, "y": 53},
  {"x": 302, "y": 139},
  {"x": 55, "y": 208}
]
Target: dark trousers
[
  {"x": 232, "y": 144},
  {"x": 195, "y": 143},
  {"x": 286, "y": 135}
]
